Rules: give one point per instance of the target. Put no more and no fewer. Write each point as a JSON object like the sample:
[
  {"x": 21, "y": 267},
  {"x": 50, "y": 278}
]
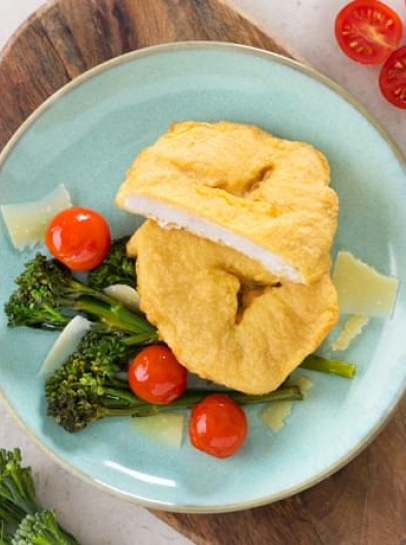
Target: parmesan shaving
[
  {"x": 303, "y": 383},
  {"x": 361, "y": 289},
  {"x": 351, "y": 329},
  {"x": 65, "y": 345},
  {"x": 124, "y": 294},
  {"x": 27, "y": 222},
  {"x": 165, "y": 429},
  {"x": 275, "y": 414}
]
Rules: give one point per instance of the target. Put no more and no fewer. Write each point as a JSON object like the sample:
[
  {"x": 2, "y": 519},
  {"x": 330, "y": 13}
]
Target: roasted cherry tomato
[
  {"x": 218, "y": 426},
  {"x": 368, "y": 31},
  {"x": 78, "y": 237},
  {"x": 156, "y": 376},
  {"x": 392, "y": 79}
]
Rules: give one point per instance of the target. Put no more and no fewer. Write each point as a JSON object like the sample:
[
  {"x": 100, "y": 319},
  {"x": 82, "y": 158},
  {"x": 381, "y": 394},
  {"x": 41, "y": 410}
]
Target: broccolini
[
  {"x": 117, "y": 268},
  {"x": 47, "y": 295},
  {"x": 85, "y": 388},
  {"x": 20, "y": 510},
  {"x": 41, "y": 529}
]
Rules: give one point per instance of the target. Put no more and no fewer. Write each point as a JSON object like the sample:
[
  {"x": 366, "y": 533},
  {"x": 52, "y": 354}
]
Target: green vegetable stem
[
  {"x": 20, "y": 510},
  {"x": 331, "y": 367},
  {"x": 48, "y": 295},
  {"x": 41, "y": 529},
  {"x": 86, "y": 389}
]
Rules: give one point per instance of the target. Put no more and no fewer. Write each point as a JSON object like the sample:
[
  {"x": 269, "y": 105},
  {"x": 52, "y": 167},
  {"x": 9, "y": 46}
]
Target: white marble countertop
[{"x": 306, "y": 25}]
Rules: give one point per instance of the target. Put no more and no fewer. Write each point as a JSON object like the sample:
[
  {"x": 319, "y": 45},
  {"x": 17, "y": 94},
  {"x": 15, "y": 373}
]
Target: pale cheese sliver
[{"x": 361, "y": 289}]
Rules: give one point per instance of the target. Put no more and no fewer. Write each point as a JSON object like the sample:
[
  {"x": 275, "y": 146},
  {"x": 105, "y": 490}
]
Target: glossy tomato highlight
[
  {"x": 78, "y": 237},
  {"x": 218, "y": 426},
  {"x": 156, "y": 376}
]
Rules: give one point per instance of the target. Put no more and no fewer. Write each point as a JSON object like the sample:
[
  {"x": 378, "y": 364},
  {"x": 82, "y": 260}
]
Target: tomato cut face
[
  {"x": 392, "y": 79},
  {"x": 368, "y": 31}
]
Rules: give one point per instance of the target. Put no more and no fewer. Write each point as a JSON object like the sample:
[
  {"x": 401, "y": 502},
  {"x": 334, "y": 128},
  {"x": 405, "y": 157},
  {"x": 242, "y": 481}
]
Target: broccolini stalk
[
  {"x": 19, "y": 507},
  {"x": 191, "y": 397},
  {"x": 84, "y": 390},
  {"x": 4, "y": 536},
  {"x": 47, "y": 294},
  {"x": 117, "y": 268},
  {"x": 114, "y": 315},
  {"x": 41, "y": 529},
  {"x": 17, "y": 491},
  {"x": 9, "y": 513},
  {"x": 331, "y": 367}
]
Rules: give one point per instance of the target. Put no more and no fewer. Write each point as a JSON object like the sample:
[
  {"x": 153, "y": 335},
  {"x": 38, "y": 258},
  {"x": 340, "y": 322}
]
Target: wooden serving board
[{"x": 363, "y": 504}]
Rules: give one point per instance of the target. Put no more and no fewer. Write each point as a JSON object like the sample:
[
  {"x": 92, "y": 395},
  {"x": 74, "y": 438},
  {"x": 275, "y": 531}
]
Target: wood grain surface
[{"x": 363, "y": 504}]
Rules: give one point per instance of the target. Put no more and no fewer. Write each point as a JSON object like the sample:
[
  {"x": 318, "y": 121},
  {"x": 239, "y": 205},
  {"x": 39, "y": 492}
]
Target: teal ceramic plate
[{"x": 86, "y": 136}]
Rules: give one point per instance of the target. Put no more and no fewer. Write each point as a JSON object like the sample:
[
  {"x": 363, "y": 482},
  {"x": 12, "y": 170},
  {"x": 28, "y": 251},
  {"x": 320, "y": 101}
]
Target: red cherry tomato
[
  {"x": 392, "y": 79},
  {"x": 218, "y": 426},
  {"x": 156, "y": 376},
  {"x": 368, "y": 31},
  {"x": 78, "y": 237}
]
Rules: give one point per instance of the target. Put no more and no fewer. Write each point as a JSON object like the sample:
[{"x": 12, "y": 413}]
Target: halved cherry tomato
[
  {"x": 156, "y": 376},
  {"x": 78, "y": 237},
  {"x": 218, "y": 426},
  {"x": 392, "y": 79},
  {"x": 368, "y": 31}
]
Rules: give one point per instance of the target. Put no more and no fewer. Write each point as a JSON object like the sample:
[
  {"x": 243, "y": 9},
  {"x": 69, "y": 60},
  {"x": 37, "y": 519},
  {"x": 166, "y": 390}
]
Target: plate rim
[{"x": 357, "y": 105}]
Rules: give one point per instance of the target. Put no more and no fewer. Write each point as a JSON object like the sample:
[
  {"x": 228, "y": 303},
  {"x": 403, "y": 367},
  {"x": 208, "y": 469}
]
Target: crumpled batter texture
[
  {"x": 224, "y": 316},
  {"x": 271, "y": 191}
]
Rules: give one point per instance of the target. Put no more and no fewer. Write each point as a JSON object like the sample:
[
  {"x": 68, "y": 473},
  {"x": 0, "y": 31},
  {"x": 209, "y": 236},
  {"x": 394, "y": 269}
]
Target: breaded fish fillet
[
  {"x": 242, "y": 187},
  {"x": 224, "y": 315}
]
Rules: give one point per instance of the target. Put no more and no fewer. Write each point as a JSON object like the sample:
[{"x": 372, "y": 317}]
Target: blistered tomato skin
[
  {"x": 79, "y": 237},
  {"x": 156, "y": 376},
  {"x": 218, "y": 426}
]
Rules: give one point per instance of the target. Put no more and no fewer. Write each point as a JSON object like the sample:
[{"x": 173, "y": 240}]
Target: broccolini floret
[
  {"x": 17, "y": 490},
  {"x": 47, "y": 295},
  {"x": 103, "y": 354},
  {"x": 20, "y": 509},
  {"x": 36, "y": 302},
  {"x": 85, "y": 389},
  {"x": 117, "y": 268},
  {"x": 77, "y": 391},
  {"x": 41, "y": 529}
]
